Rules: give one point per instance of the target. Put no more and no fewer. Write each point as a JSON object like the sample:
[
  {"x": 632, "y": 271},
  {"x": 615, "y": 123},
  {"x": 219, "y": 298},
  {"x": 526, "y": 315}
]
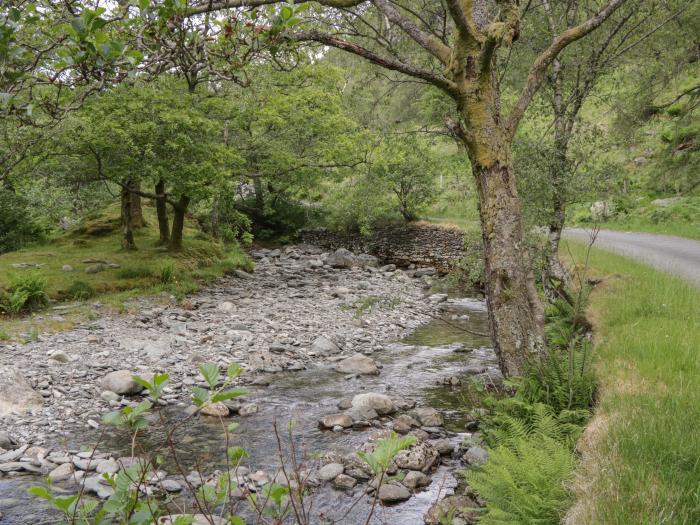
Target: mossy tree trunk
[
  {"x": 137, "y": 219},
  {"x": 162, "y": 214},
  {"x": 516, "y": 315},
  {"x": 180, "y": 209}
]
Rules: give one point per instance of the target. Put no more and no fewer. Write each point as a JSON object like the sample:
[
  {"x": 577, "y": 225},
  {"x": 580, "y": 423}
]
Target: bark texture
[
  {"x": 162, "y": 213},
  {"x": 180, "y": 210},
  {"x": 128, "y": 242},
  {"x": 137, "y": 220}
]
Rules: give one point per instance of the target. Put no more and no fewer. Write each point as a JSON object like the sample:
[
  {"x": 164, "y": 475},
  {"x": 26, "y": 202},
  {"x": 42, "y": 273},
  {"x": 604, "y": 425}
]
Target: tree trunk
[
  {"x": 179, "y": 222},
  {"x": 259, "y": 197},
  {"x": 126, "y": 219},
  {"x": 214, "y": 217},
  {"x": 137, "y": 220},
  {"x": 516, "y": 315},
  {"x": 162, "y": 213}
]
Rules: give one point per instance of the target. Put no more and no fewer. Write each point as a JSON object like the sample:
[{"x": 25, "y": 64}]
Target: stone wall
[{"x": 421, "y": 244}]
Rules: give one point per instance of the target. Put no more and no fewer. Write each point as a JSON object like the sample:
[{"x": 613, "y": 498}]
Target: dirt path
[{"x": 670, "y": 254}]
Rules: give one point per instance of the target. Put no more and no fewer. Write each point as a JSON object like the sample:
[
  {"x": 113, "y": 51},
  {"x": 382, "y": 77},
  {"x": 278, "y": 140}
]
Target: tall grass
[{"x": 642, "y": 452}]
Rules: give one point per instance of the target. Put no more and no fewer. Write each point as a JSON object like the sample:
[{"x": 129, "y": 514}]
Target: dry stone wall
[{"x": 421, "y": 244}]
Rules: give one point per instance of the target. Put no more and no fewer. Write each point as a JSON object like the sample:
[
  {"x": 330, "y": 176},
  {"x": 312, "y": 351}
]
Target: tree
[
  {"x": 156, "y": 134},
  {"x": 408, "y": 166},
  {"x": 574, "y": 76},
  {"x": 455, "y": 47}
]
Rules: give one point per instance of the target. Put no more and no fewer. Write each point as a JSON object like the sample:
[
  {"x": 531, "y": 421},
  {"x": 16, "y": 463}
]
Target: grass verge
[
  {"x": 687, "y": 230},
  {"x": 148, "y": 271},
  {"x": 641, "y": 452}
]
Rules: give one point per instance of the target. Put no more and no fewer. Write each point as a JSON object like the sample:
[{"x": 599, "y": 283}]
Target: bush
[
  {"x": 167, "y": 272},
  {"x": 80, "y": 291},
  {"x": 135, "y": 272},
  {"x": 26, "y": 293},
  {"x": 17, "y": 228}
]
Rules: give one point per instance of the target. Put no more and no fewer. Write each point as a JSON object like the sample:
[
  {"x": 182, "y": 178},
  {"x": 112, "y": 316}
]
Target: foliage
[
  {"x": 532, "y": 434},
  {"x": 167, "y": 272},
  {"x": 80, "y": 291},
  {"x": 524, "y": 482},
  {"x": 17, "y": 226},
  {"x": 135, "y": 272},
  {"x": 25, "y": 293},
  {"x": 379, "y": 460}
]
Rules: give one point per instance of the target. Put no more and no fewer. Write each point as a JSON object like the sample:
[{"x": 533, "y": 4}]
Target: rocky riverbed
[{"x": 314, "y": 332}]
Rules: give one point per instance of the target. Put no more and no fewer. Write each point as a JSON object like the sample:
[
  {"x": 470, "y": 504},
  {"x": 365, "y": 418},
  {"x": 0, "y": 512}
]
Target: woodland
[{"x": 164, "y": 143}]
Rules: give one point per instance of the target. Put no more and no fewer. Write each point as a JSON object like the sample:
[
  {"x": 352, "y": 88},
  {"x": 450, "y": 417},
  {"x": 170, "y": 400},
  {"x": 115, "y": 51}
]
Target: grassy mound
[{"x": 123, "y": 274}]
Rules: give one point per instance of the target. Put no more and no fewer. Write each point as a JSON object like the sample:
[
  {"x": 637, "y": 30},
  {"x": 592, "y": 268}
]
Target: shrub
[
  {"x": 17, "y": 228},
  {"x": 135, "y": 272},
  {"x": 80, "y": 291},
  {"x": 167, "y": 272},
  {"x": 525, "y": 482},
  {"x": 26, "y": 293}
]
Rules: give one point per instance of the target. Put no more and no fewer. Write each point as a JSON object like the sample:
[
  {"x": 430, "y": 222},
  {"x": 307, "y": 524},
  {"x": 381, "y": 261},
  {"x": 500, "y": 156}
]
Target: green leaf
[
  {"x": 210, "y": 372},
  {"x": 236, "y": 520},
  {"x": 143, "y": 4},
  {"x": 39, "y": 492},
  {"x": 228, "y": 394},
  {"x": 233, "y": 371},
  {"x": 236, "y": 455},
  {"x": 113, "y": 418},
  {"x": 142, "y": 407},
  {"x": 286, "y": 12},
  {"x": 199, "y": 395}
]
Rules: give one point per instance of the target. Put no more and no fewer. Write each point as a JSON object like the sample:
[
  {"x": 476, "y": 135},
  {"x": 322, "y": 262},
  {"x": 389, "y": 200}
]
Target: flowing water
[{"x": 416, "y": 369}]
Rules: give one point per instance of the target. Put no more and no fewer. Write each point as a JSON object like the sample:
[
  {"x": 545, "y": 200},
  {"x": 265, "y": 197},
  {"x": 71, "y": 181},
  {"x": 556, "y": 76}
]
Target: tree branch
[
  {"x": 387, "y": 62},
  {"x": 539, "y": 67}
]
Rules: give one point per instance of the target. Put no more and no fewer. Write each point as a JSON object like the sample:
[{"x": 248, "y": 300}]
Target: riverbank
[{"x": 641, "y": 451}]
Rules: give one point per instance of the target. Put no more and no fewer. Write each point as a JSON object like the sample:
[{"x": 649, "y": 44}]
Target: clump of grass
[
  {"x": 167, "y": 272},
  {"x": 80, "y": 291},
  {"x": 135, "y": 272},
  {"x": 26, "y": 293}
]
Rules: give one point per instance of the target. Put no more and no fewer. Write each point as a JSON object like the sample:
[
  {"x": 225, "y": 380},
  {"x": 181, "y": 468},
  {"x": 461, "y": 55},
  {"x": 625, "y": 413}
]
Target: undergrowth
[{"x": 531, "y": 435}]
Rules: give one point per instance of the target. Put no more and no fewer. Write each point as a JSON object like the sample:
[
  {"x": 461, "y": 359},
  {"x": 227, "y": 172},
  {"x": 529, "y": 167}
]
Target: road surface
[{"x": 670, "y": 254}]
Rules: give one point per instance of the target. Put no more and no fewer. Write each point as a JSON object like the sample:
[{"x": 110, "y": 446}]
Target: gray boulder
[
  {"x": 16, "y": 394},
  {"x": 341, "y": 258},
  {"x": 381, "y": 403},
  {"x": 357, "y": 364},
  {"x": 323, "y": 346},
  {"x": 121, "y": 382},
  {"x": 390, "y": 493}
]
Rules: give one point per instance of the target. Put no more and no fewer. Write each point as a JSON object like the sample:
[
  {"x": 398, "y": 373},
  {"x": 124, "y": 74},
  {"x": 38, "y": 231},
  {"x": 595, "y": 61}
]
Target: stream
[{"x": 433, "y": 353}]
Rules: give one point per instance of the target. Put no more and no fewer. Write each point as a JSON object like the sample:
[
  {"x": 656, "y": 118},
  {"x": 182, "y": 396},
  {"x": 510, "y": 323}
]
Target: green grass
[
  {"x": 680, "y": 229},
  {"x": 140, "y": 272},
  {"x": 641, "y": 452}
]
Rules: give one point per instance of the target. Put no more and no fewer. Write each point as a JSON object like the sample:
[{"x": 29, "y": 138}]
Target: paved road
[{"x": 668, "y": 253}]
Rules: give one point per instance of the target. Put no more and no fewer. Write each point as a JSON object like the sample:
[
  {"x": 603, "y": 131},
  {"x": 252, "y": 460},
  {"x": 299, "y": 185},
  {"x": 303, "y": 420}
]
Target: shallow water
[{"x": 413, "y": 369}]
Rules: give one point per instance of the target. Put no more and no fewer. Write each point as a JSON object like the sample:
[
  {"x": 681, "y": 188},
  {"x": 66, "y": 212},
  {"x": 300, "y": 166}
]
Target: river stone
[
  {"x": 428, "y": 417},
  {"x": 170, "y": 485},
  {"x": 67, "y": 268},
  {"x": 341, "y": 420},
  {"x": 357, "y": 364},
  {"x": 366, "y": 260},
  {"x": 330, "y": 471},
  {"x": 476, "y": 456},
  {"x": 248, "y": 409},
  {"x": 381, "y": 403},
  {"x": 460, "y": 508},
  {"x": 6, "y": 442},
  {"x": 62, "y": 472},
  {"x": 194, "y": 519},
  {"x": 390, "y": 493},
  {"x": 341, "y": 258},
  {"x": 107, "y": 466},
  {"x": 420, "y": 456},
  {"x": 217, "y": 409},
  {"x": 96, "y": 485},
  {"x": 108, "y": 396},
  {"x": 120, "y": 382},
  {"x": 16, "y": 394},
  {"x": 324, "y": 346},
  {"x": 404, "y": 423},
  {"x": 344, "y": 482},
  {"x": 443, "y": 446},
  {"x": 415, "y": 479}
]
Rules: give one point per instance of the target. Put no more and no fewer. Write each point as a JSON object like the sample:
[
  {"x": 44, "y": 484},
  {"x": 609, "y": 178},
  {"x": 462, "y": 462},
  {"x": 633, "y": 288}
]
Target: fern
[{"x": 525, "y": 482}]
